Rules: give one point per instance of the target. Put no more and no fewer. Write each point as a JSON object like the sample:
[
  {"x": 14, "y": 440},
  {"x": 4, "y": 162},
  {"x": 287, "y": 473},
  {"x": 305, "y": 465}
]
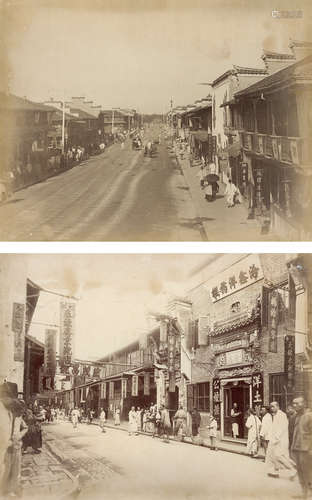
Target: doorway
[{"x": 236, "y": 391}]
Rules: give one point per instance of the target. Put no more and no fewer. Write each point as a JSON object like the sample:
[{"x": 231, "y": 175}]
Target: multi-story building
[
  {"x": 246, "y": 312},
  {"x": 24, "y": 139},
  {"x": 274, "y": 122}
]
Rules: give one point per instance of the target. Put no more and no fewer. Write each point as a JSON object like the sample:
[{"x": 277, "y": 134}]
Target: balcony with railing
[{"x": 285, "y": 149}]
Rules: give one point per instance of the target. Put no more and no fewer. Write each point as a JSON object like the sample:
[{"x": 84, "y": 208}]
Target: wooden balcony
[{"x": 291, "y": 150}]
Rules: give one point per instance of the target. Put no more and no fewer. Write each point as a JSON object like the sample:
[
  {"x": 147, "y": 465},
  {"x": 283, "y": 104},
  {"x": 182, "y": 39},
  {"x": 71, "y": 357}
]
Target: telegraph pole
[{"x": 63, "y": 125}]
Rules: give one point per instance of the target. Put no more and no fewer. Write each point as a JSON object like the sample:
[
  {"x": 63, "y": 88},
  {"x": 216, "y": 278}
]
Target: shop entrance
[{"x": 236, "y": 392}]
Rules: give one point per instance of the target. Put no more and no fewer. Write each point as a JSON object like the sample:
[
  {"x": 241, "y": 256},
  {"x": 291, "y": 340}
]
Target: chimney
[
  {"x": 275, "y": 61},
  {"x": 300, "y": 50}
]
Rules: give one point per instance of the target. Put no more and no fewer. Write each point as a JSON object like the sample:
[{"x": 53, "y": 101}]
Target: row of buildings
[
  {"x": 35, "y": 135},
  {"x": 256, "y": 126},
  {"x": 240, "y": 333}
]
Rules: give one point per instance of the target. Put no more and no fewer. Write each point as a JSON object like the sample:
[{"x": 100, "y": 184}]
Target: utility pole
[{"x": 63, "y": 125}]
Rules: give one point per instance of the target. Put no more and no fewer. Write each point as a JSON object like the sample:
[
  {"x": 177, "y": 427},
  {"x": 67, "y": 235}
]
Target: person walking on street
[
  {"x": 212, "y": 430},
  {"x": 165, "y": 423},
  {"x": 180, "y": 422},
  {"x": 291, "y": 415},
  {"x": 75, "y": 417},
  {"x": 117, "y": 416},
  {"x": 277, "y": 455},
  {"x": 102, "y": 419},
  {"x": 301, "y": 447},
  {"x": 253, "y": 425},
  {"x": 196, "y": 418},
  {"x": 266, "y": 426},
  {"x": 133, "y": 425},
  {"x": 235, "y": 416},
  {"x": 229, "y": 193}
]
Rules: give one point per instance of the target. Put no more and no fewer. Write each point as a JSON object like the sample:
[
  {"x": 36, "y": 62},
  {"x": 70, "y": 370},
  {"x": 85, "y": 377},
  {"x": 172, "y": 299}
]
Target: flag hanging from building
[
  {"x": 67, "y": 331},
  {"x": 18, "y": 329}
]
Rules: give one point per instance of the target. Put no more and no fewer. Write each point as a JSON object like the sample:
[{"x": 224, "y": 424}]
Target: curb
[{"x": 186, "y": 440}]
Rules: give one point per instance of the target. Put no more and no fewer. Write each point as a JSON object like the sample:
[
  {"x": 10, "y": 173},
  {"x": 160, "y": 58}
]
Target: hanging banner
[
  {"x": 242, "y": 274},
  {"x": 273, "y": 320},
  {"x": 289, "y": 362},
  {"x": 257, "y": 388},
  {"x": 18, "y": 329},
  {"x": 216, "y": 400},
  {"x": 67, "y": 329},
  {"x": 123, "y": 388},
  {"x": 50, "y": 352},
  {"x": 147, "y": 381},
  {"x": 135, "y": 385},
  {"x": 111, "y": 390}
]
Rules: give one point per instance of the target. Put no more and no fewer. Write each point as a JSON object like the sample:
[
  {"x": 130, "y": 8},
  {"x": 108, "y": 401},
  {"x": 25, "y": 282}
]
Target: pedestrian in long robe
[
  {"x": 180, "y": 422},
  {"x": 133, "y": 424},
  {"x": 165, "y": 423},
  {"x": 277, "y": 456},
  {"x": 212, "y": 430},
  {"x": 117, "y": 416},
  {"x": 253, "y": 425},
  {"x": 75, "y": 417},
  {"x": 102, "y": 419},
  {"x": 301, "y": 447},
  {"x": 266, "y": 426},
  {"x": 229, "y": 193}
]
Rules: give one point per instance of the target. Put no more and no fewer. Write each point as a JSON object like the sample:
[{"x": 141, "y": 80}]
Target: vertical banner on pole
[{"x": 67, "y": 330}]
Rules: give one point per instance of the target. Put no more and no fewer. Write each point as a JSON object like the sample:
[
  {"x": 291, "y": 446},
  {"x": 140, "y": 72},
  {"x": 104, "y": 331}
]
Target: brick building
[{"x": 243, "y": 312}]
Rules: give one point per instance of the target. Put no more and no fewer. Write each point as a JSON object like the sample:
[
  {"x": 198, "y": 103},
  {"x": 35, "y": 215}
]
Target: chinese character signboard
[
  {"x": 244, "y": 273},
  {"x": 67, "y": 330},
  {"x": 273, "y": 320},
  {"x": 257, "y": 388},
  {"x": 123, "y": 388},
  {"x": 216, "y": 400},
  {"x": 18, "y": 329},
  {"x": 135, "y": 385},
  {"x": 289, "y": 362},
  {"x": 146, "y": 384},
  {"x": 50, "y": 353},
  {"x": 111, "y": 390},
  {"x": 171, "y": 350}
]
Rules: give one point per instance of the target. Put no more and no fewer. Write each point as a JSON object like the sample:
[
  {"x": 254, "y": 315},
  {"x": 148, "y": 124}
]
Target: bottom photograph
[{"x": 156, "y": 376}]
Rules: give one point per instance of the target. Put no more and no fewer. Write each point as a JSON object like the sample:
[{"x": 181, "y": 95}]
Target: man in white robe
[{"x": 277, "y": 456}]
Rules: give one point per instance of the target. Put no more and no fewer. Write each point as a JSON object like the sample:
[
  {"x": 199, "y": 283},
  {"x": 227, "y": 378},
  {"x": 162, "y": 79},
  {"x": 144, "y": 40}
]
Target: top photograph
[{"x": 164, "y": 121}]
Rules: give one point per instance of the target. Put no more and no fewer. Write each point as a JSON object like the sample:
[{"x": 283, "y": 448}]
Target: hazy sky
[
  {"x": 139, "y": 57},
  {"x": 116, "y": 292}
]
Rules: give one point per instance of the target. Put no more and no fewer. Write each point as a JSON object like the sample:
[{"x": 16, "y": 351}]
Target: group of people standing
[{"x": 285, "y": 438}]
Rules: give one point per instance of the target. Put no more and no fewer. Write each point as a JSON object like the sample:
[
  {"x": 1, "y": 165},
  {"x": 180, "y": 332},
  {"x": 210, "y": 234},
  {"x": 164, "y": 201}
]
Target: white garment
[
  {"x": 212, "y": 426},
  {"x": 133, "y": 425},
  {"x": 277, "y": 455},
  {"x": 253, "y": 424},
  {"x": 266, "y": 427},
  {"x": 102, "y": 416}
]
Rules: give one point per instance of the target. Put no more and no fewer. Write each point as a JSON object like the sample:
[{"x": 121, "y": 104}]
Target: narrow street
[
  {"x": 117, "y": 196},
  {"x": 116, "y": 465}
]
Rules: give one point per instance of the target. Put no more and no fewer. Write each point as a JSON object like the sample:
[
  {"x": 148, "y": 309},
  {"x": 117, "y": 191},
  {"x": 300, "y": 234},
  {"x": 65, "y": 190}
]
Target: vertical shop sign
[
  {"x": 171, "y": 358},
  {"x": 135, "y": 385},
  {"x": 50, "y": 353},
  {"x": 123, "y": 388},
  {"x": 67, "y": 328},
  {"x": 273, "y": 320},
  {"x": 257, "y": 388},
  {"x": 289, "y": 362},
  {"x": 146, "y": 384},
  {"x": 18, "y": 329},
  {"x": 111, "y": 390},
  {"x": 216, "y": 400}
]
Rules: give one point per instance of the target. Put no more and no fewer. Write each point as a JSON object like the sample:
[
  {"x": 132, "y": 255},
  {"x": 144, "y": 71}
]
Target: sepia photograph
[
  {"x": 156, "y": 376},
  {"x": 155, "y": 120}
]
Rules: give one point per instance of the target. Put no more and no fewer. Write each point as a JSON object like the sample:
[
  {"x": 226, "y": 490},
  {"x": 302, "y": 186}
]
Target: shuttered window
[{"x": 201, "y": 396}]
